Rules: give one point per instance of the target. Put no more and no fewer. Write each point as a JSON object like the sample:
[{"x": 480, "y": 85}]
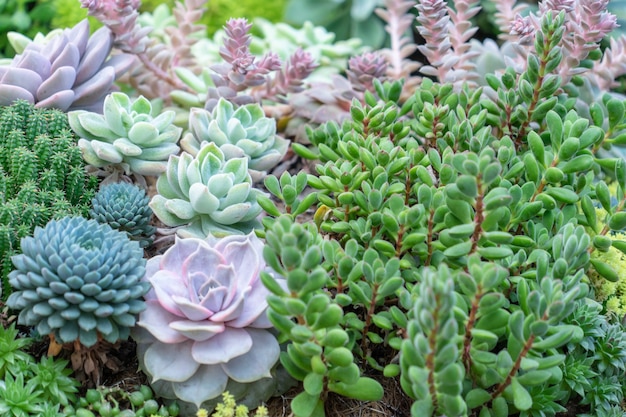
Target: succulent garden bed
[{"x": 281, "y": 224}]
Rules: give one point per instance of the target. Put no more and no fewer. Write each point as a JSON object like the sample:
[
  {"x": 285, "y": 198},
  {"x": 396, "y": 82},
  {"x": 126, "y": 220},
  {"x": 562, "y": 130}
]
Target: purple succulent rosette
[{"x": 205, "y": 325}]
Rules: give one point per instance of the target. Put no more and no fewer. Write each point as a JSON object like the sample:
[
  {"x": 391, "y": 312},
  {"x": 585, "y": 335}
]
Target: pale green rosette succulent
[
  {"x": 207, "y": 194},
  {"x": 126, "y": 138},
  {"x": 239, "y": 132}
]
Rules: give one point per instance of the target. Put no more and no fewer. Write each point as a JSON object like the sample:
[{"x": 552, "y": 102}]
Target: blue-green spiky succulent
[
  {"x": 78, "y": 279},
  {"x": 124, "y": 207}
]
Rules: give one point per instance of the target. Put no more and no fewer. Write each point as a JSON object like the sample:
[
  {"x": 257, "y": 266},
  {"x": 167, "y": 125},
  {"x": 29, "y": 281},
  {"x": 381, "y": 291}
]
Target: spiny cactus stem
[{"x": 145, "y": 60}]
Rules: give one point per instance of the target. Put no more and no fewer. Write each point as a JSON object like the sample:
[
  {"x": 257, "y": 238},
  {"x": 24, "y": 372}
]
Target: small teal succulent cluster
[
  {"x": 124, "y": 207},
  {"x": 80, "y": 280}
]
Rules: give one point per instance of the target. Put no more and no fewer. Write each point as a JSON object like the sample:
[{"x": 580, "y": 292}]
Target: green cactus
[{"x": 42, "y": 176}]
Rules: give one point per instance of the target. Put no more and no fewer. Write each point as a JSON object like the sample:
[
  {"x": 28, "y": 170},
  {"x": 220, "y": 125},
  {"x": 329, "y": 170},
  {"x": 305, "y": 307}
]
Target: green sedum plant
[
  {"x": 12, "y": 349},
  {"x": 107, "y": 401},
  {"x": 452, "y": 246},
  {"x": 19, "y": 398},
  {"x": 207, "y": 194}
]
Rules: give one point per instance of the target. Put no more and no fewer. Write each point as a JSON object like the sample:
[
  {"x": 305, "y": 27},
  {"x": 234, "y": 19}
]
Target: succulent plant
[
  {"x": 68, "y": 72},
  {"x": 124, "y": 207},
  {"x": 204, "y": 330},
  {"x": 207, "y": 194},
  {"x": 332, "y": 56},
  {"x": 42, "y": 176},
  {"x": 78, "y": 280},
  {"x": 126, "y": 138},
  {"x": 348, "y": 19},
  {"x": 239, "y": 132}
]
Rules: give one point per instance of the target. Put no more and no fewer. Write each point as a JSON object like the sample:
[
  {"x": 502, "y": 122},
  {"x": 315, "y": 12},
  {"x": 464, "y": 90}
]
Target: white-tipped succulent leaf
[
  {"x": 239, "y": 132},
  {"x": 126, "y": 137},
  {"x": 207, "y": 194}
]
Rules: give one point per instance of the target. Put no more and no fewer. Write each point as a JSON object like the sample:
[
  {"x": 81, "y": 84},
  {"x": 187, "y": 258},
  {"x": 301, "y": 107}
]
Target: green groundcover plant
[
  {"x": 460, "y": 229},
  {"x": 454, "y": 243}
]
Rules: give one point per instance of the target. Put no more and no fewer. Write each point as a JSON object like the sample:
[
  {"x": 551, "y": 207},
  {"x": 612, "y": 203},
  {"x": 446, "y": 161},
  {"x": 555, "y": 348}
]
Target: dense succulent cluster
[
  {"x": 456, "y": 232},
  {"x": 242, "y": 132},
  {"x": 204, "y": 330},
  {"x": 42, "y": 175},
  {"x": 108, "y": 401},
  {"x": 68, "y": 72},
  {"x": 207, "y": 194},
  {"x": 78, "y": 280},
  {"x": 126, "y": 138},
  {"x": 31, "y": 387},
  {"x": 468, "y": 223},
  {"x": 124, "y": 207}
]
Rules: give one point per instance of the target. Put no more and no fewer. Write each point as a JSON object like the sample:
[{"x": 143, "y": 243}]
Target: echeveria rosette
[
  {"x": 69, "y": 70},
  {"x": 126, "y": 137},
  {"x": 239, "y": 132},
  {"x": 78, "y": 279},
  {"x": 205, "y": 325},
  {"x": 207, "y": 194},
  {"x": 124, "y": 207}
]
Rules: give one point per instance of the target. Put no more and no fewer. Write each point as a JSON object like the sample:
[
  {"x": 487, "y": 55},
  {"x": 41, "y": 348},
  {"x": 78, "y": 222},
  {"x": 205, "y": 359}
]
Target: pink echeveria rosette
[{"x": 205, "y": 328}]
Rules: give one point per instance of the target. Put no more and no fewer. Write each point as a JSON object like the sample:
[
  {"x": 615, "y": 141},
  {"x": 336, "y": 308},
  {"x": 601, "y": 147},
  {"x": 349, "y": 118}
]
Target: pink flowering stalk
[
  {"x": 120, "y": 16},
  {"x": 434, "y": 27},
  {"x": 461, "y": 31},
  {"x": 291, "y": 78},
  {"x": 398, "y": 25},
  {"x": 241, "y": 70},
  {"x": 507, "y": 11},
  {"x": 447, "y": 32},
  {"x": 586, "y": 24}
]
